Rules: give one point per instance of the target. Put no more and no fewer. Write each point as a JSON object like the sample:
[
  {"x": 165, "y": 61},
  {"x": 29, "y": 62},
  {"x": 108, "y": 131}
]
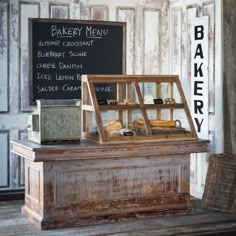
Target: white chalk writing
[{"x": 63, "y": 31}]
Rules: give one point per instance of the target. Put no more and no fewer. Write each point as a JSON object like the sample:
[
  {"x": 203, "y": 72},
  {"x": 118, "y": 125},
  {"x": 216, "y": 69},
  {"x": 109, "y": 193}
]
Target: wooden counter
[{"x": 89, "y": 183}]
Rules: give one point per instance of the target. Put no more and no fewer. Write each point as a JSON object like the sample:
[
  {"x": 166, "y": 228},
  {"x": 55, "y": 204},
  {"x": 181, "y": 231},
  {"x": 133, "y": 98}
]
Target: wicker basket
[{"x": 220, "y": 187}]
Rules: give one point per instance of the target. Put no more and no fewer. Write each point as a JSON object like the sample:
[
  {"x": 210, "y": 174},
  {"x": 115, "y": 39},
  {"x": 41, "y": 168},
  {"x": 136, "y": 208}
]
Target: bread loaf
[
  {"x": 155, "y": 123},
  {"x": 113, "y": 125}
]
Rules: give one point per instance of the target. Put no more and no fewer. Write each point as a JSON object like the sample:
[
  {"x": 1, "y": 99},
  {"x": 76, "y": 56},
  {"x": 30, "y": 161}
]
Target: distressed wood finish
[
  {"x": 4, "y": 54},
  {"x": 229, "y": 76},
  {"x": 40, "y": 153},
  {"x": 181, "y": 14},
  {"x": 26, "y": 11},
  {"x": 98, "y": 13},
  {"x": 199, "y": 222},
  {"x": 59, "y": 11},
  {"x": 128, "y": 15},
  {"x": 75, "y": 185},
  {"x": 4, "y": 180},
  {"x": 14, "y": 63},
  {"x": 151, "y": 41},
  {"x": 14, "y": 106}
]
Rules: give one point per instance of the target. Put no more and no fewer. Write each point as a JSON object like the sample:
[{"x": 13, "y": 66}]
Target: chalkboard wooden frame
[{"x": 116, "y": 27}]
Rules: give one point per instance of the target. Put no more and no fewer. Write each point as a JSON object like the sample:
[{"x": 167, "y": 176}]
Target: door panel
[
  {"x": 14, "y": 81},
  {"x": 27, "y": 11},
  {"x": 4, "y": 159},
  {"x": 4, "y": 27},
  {"x": 128, "y": 15},
  {"x": 98, "y": 12}
]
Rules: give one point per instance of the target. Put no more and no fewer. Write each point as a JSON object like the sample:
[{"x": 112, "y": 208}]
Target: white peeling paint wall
[
  {"x": 158, "y": 42},
  {"x": 181, "y": 14},
  {"x": 144, "y": 55}
]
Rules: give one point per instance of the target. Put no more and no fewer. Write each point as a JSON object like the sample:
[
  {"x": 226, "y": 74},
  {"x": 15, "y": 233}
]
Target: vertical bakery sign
[{"x": 199, "y": 75}]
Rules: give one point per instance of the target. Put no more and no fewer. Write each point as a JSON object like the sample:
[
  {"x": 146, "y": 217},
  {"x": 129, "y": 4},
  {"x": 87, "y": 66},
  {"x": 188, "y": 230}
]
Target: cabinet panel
[
  {"x": 128, "y": 15},
  {"x": 4, "y": 162},
  {"x": 26, "y": 11},
  {"x": 152, "y": 41},
  {"x": 98, "y": 13},
  {"x": 60, "y": 11}
]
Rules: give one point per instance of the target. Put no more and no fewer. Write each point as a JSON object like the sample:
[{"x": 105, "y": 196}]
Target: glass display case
[{"x": 135, "y": 108}]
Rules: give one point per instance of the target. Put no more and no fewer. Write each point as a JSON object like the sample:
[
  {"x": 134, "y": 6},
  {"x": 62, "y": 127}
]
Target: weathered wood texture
[
  {"x": 14, "y": 86},
  {"x": 167, "y": 51},
  {"x": 90, "y": 150},
  {"x": 68, "y": 186},
  {"x": 14, "y": 60},
  {"x": 199, "y": 222},
  {"x": 229, "y": 76},
  {"x": 181, "y": 14},
  {"x": 4, "y": 57},
  {"x": 220, "y": 188}
]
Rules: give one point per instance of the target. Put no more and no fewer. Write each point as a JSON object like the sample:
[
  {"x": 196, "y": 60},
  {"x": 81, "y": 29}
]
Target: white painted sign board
[{"x": 199, "y": 76}]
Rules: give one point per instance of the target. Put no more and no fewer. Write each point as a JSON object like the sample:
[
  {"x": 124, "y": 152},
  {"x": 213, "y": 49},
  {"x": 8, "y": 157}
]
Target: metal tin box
[{"x": 55, "y": 121}]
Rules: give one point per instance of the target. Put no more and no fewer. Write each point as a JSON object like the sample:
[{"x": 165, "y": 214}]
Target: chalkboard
[{"x": 60, "y": 51}]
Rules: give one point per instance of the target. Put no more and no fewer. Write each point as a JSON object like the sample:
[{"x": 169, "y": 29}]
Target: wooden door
[
  {"x": 147, "y": 49},
  {"x": 14, "y": 89}
]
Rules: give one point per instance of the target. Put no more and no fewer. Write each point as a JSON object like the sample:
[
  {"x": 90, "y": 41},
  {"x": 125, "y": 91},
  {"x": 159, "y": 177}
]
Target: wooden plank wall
[
  {"x": 147, "y": 52},
  {"x": 158, "y": 42},
  {"x": 14, "y": 64},
  {"x": 181, "y": 14},
  {"x": 229, "y": 76}
]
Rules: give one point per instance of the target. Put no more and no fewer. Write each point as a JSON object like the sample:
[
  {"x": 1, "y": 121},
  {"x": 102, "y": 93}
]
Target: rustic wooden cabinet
[
  {"x": 142, "y": 108},
  {"x": 145, "y": 173},
  {"x": 89, "y": 183}
]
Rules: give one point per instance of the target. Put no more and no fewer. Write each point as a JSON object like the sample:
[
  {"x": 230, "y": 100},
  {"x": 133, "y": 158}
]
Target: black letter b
[{"x": 198, "y": 32}]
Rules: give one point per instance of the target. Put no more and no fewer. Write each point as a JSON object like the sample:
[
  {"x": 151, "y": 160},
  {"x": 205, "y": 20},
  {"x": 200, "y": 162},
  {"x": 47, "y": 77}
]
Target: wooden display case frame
[{"x": 90, "y": 105}]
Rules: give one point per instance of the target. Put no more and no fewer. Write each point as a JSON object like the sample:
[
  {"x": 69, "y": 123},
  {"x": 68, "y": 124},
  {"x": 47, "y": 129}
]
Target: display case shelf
[{"x": 142, "y": 108}]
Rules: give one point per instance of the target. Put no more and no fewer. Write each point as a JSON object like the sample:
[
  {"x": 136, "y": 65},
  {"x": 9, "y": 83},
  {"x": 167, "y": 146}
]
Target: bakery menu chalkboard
[{"x": 62, "y": 50}]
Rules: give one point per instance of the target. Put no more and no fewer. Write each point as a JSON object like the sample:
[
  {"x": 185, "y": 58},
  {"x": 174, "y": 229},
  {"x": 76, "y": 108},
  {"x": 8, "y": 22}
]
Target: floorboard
[{"x": 199, "y": 222}]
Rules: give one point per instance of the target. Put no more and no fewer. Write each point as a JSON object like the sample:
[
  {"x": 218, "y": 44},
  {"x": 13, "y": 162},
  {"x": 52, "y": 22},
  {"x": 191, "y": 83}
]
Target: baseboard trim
[{"x": 8, "y": 195}]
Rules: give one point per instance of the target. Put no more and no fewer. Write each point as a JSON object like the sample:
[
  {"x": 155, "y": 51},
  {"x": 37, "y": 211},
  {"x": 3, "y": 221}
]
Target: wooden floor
[{"x": 199, "y": 222}]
